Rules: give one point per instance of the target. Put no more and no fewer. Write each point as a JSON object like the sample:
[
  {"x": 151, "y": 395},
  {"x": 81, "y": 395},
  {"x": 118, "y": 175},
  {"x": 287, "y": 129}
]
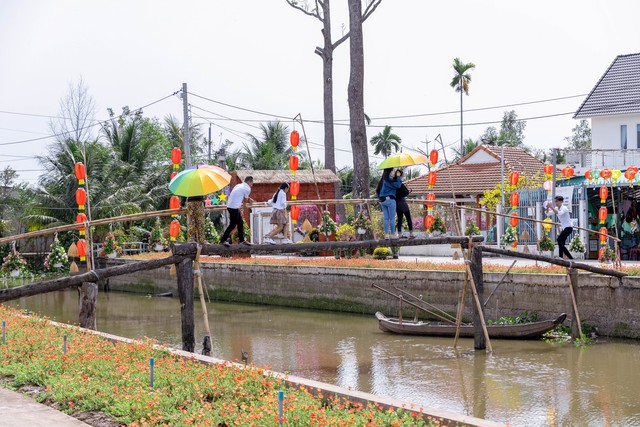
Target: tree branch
[
  {"x": 340, "y": 40},
  {"x": 371, "y": 7},
  {"x": 294, "y": 4}
]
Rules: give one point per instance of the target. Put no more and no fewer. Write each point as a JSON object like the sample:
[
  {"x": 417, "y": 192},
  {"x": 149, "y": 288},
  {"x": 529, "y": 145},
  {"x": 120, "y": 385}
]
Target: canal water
[{"x": 524, "y": 383}]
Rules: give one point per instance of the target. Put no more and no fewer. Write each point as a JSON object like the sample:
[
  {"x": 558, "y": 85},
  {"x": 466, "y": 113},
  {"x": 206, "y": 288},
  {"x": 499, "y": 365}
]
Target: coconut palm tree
[
  {"x": 468, "y": 146},
  {"x": 385, "y": 141},
  {"x": 270, "y": 150},
  {"x": 460, "y": 82}
]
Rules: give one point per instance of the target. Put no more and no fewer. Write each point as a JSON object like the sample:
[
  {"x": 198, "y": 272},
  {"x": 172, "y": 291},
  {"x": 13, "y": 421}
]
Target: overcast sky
[{"x": 258, "y": 55}]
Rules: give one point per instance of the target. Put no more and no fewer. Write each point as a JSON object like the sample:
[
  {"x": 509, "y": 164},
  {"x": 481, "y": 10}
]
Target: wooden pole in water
[
  {"x": 206, "y": 344},
  {"x": 572, "y": 281},
  {"x": 88, "y": 293},
  {"x": 184, "y": 271},
  {"x": 474, "y": 267}
]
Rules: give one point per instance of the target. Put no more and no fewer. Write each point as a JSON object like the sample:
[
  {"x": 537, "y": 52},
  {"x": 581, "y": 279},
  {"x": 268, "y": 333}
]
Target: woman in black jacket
[{"x": 402, "y": 207}]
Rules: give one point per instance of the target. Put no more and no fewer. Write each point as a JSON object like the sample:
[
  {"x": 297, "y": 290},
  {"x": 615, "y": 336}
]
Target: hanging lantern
[
  {"x": 430, "y": 199},
  {"x": 295, "y": 213},
  {"x": 294, "y": 188},
  {"x": 428, "y": 222},
  {"x": 81, "y": 219},
  {"x": 602, "y": 214},
  {"x": 615, "y": 175},
  {"x": 567, "y": 172},
  {"x": 80, "y": 173},
  {"x": 81, "y": 245},
  {"x": 431, "y": 179},
  {"x": 174, "y": 203},
  {"x": 548, "y": 185},
  {"x": 513, "y": 220},
  {"x": 605, "y": 174},
  {"x": 588, "y": 175},
  {"x": 174, "y": 230},
  {"x": 514, "y": 199},
  {"x": 548, "y": 169},
  {"x": 603, "y": 235},
  {"x": 433, "y": 157},
  {"x": 176, "y": 155},
  {"x": 294, "y": 139},
  {"x": 633, "y": 168},
  {"x": 81, "y": 198},
  {"x": 293, "y": 164},
  {"x": 513, "y": 178},
  {"x": 514, "y": 245},
  {"x": 601, "y": 253},
  {"x": 173, "y": 174},
  {"x": 629, "y": 175},
  {"x": 547, "y": 224},
  {"x": 604, "y": 193}
]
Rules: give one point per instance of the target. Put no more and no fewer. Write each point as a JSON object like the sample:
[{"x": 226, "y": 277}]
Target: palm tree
[
  {"x": 385, "y": 141},
  {"x": 468, "y": 146},
  {"x": 269, "y": 151},
  {"x": 461, "y": 82}
]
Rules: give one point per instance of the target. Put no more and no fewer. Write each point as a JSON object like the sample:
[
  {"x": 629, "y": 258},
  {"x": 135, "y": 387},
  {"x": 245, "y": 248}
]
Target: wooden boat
[{"x": 531, "y": 330}]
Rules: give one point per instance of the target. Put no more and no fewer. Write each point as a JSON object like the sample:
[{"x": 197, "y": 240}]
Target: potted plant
[
  {"x": 510, "y": 237},
  {"x": 57, "y": 259},
  {"x": 361, "y": 222},
  {"x": 437, "y": 227},
  {"x": 607, "y": 255},
  {"x": 345, "y": 233},
  {"x": 13, "y": 264},
  {"x": 156, "y": 240},
  {"x": 546, "y": 244},
  {"x": 328, "y": 226},
  {"x": 210, "y": 232},
  {"x": 472, "y": 229},
  {"x": 381, "y": 253},
  {"x": 576, "y": 247},
  {"x": 110, "y": 248}
]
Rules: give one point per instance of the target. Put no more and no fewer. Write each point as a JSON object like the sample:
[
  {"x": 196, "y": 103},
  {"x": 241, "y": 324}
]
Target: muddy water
[{"x": 526, "y": 383}]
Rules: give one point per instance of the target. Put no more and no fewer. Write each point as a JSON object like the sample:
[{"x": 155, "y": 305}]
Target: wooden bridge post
[
  {"x": 88, "y": 295},
  {"x": 576, "y": 327},
  {"x": 475, "y": 265},
  {"x": 184, "y": 270}
]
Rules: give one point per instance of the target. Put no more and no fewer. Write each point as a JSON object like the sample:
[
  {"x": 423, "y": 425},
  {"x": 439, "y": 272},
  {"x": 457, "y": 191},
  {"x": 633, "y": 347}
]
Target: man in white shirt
[
  {"x": 234, "y": 203},
  {"x": 566, "y": 227}
]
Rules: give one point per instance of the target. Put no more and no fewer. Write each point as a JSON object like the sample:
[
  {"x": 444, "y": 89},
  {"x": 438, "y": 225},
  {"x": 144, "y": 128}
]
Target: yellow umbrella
[{"x": 403, "y": 159}]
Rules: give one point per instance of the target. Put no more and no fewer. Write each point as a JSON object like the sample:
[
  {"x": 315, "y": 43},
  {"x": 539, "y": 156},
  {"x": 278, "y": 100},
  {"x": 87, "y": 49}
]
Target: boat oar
[
  {"x": 444, "y": 319},
  {"x": 206, "y": 344},
  {"x": 424, "y": 302}
]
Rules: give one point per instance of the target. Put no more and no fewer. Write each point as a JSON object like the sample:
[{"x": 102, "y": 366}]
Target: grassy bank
[{"x": 100, "y": 375}]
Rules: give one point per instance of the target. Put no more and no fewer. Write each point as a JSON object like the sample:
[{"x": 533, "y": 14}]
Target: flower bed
[{"x": 100, "y": 375}]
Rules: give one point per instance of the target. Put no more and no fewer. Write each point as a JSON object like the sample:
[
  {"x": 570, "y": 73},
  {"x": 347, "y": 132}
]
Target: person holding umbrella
[
  {"x": 235, "y": 201},
  {"x": 402, "y": 207},
  {"x": 386, "y": 192}
]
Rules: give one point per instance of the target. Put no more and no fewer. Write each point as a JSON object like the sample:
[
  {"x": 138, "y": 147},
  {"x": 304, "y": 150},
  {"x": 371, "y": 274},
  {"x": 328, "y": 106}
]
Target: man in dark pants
[
  {"x": 566, "y": 227},
  {"x": 234, "y": 204}
]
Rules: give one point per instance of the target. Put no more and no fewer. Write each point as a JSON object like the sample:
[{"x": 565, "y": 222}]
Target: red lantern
[
  {"x": 513, "y": 221},
  {"x": 601, "y": 253},
  {"x": 514, "y": 199},
  {"x": 567, "y": 172},
  {"x": 294, "y": 138},
  {"x": 548, "y": 169},
  {"x": 633, "y": 168},
  {"x": 173, "y": 174},
  {"x": 295, "y": 213},
  {"x": 293, "y": 164},
  {"x": 514, "y": 245},
  {"x": 431, "y": 179},
  {"x": 428, "y": 221},
  {"x": 588, "y": 175},
  {"x": 82, "y": 249},
  {"x": 174, "y": 203},
  {"x": 81, "y": 198},
  {"x": 605, "y": 174},
  {"x": 80, "y": 173},
  {"x": 294, "y": 188},
  {"x": 603, "y": 235},
  {"x": 513, "y": 178},
  {"x": 433, "y": 157},
  {"x": 602, "y": 214},
  {"x": 604, "y": 193},
  {"x": 174, "y": 230},
  {"x": 81, "y": 219},
  {"x": 430, "y": 199},
  {"x": 629, "y": 175},
  {"x": 176, "y": 155}
]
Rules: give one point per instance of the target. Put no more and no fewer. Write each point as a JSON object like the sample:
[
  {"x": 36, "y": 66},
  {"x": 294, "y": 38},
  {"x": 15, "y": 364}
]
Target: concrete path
[{"x": 21, "y": 411}]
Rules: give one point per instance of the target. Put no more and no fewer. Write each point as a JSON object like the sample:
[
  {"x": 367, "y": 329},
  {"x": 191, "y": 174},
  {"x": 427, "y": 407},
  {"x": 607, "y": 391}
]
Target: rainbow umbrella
[
  {"x": 199, "y": 180},
  {"x": 403, "y": 159}
]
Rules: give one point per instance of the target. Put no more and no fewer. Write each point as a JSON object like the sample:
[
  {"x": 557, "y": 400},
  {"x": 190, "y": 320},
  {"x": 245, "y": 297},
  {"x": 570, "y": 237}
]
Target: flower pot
[
  {"x": 362, "y": 230},
  {"x": 158, "y": 247},
  {"x": 57, "y": 265},
  {"x": 114, "y": 254},
  {"x": 14, "y": 273}
]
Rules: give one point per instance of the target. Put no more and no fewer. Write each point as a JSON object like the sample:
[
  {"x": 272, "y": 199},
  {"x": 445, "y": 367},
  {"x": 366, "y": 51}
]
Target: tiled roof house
[{"x": 614, "y": 106}]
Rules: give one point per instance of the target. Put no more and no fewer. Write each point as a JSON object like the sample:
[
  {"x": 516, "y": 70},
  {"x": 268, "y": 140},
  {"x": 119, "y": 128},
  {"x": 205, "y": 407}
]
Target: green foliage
[
  {"x": 361, "y": 220},
  {"x": 576, "y": 244},
  {"x": 510, "y": 235},
  {"x": 438, "y": 225},
  {"x": 328, "y": 225},
  {"x": 13, "y": 261},
  {"x": 546, "y": 244},
  {"x": 608, "y": 255},
  {"x": 381, "y": 253},
  {"x": 345, "y": 232},
  {"x": 110, "y": 245},
  {"x": 525, "y": 317},
  {"x": 58, "y": 255},
  {"x": 156, "y": 237},
  {"x": 247, "y": 232},
  {"x": 210, "y": 232},
  {"x": 580, "y": 138},
  {"x": 385, "y": 141},
  {"x": 472, "y": 229}
]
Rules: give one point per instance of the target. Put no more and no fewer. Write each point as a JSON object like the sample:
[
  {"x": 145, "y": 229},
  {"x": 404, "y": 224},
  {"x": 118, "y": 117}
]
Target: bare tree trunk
[{"x": 356, "y": 103}]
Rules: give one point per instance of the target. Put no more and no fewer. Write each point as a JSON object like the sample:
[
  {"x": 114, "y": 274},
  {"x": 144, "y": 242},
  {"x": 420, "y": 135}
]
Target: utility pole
[
  {"x": 185, "y": 126},
  {"x": 209, "y": 157}
]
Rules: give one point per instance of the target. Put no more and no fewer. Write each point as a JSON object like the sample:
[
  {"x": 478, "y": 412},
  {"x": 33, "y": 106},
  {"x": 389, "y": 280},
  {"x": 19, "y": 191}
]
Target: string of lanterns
[
  {"x": 429, "y": 219},
  {"x": 81, "y": 217},
  {"x": 174, "y": 201},
  {"x": 294, "y": 186}
]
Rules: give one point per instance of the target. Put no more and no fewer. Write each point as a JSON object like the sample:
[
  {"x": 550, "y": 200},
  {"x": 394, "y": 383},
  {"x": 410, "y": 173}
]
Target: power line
[{"x": 16, "y": 113}]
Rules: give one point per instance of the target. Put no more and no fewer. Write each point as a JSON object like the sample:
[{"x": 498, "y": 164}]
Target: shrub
[
  {"x": 110, "y": 245},
  {"x": 345, "y": 232},
  {"x": 472, "y": 229},
  {"x": 328, "y": 225},
  {"x": 381, "y": 253},
  {"x": 210, "y": 232},
  {"x": 510, "y": 236},
  {"x": 546, "y": 244},
  {"x": 13, "y": 261},
  {"x": 156, "y": 236},
  {"x": 576, "y": 244},
  {"x": 57, "y": 256}
]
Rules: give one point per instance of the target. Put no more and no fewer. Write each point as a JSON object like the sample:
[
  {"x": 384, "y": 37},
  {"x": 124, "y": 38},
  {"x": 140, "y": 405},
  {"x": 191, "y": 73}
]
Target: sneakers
[
  {"x": 269, "y": 240},
  {"x": 287, "y": 241}
]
